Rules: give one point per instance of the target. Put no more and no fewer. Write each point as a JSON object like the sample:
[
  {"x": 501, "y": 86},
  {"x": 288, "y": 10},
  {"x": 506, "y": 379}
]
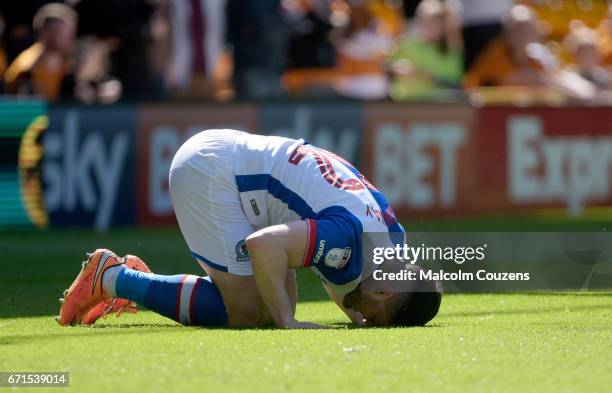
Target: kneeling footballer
[{"x": 253, "y": 209}]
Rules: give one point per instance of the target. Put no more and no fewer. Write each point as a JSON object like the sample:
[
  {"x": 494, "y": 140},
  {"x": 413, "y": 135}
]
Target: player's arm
[
  {"x": 274, "y": 250},
  {"x": 353, "y": 315},
  {"x": 291, "y": 287}
]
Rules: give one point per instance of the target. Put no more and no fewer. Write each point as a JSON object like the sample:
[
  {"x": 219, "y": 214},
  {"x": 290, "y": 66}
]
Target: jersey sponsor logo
[
  {"x": 319, "y": 253},
  {"x": 242, "y": 254},
  {"x": 338, "y": 257},
  {"x": 255, "y": 207}
]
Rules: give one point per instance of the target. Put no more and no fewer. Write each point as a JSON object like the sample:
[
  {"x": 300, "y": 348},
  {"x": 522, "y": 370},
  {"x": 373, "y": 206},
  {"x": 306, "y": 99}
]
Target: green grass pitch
[{"x": 478, "y": 343}]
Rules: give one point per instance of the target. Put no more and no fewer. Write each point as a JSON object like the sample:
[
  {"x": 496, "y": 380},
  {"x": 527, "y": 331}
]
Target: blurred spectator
[
  {"x": 604, "y": 38},
  {"x": 362, "y": 53},
  {"x": 159, "y": 46},
  {"x": 124, "y": 25},
  {"x": 310, "y": 44},
  {"x": 556, "y": 15},
  {"x": 505, "y": 61},
  {"x": 90, "y": 83},
  {"x": 41, "y": 68},
  {"x": 520, "y": 59},
  {"x": 410, "y": 7},
  {"x": 360, "y": 38},
  {"x": 258, "y": 32},
  {"x": 431, "y": 56},
  {"x": 318, "y": 27},
  {"x": 3, "y": 63},
  {"x": 482, "y": 22},
  {"x": 18, "y": 32},
  {"x": 389, "y": 15},
  {"x": 197, "y": 42},
  {"x": 581, "y": 44}
]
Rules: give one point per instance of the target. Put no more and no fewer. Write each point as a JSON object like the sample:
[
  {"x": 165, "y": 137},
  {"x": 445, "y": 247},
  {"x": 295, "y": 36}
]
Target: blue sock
[{"x": 185, "y": 298}]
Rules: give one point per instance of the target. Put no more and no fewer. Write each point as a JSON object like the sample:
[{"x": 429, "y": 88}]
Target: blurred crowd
[{"x": 102, "y": 51}]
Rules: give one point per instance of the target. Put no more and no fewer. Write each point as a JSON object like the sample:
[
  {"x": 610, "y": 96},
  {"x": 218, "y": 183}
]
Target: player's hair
[
  {"x": 53, "y": 12},
  {"x": 419, "y": 306}
]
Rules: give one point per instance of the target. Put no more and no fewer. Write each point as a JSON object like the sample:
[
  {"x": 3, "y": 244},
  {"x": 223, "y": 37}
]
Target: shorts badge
[{"x": 242, "y": 254}]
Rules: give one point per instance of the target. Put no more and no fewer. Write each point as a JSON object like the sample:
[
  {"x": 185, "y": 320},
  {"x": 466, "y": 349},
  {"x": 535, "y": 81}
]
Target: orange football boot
[
  {"x": 86, "y": 290},
  {"x": 115, "y": 304}
]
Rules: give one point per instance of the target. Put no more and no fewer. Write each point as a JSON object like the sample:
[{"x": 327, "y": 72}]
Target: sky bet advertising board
[
  {"x": 88, "y": 168},
  {"x": 105, "y": 166}
]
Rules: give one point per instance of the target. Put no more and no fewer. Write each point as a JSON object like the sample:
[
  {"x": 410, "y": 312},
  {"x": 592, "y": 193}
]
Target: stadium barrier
[
  {"x": 108, "y": 165},
  {"x": 456, "y": 160},
  {"x": 21, "y": 124}
]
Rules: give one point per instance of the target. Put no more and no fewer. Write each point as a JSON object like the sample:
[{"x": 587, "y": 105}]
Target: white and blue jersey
[{"x": 281, "y": 180}]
